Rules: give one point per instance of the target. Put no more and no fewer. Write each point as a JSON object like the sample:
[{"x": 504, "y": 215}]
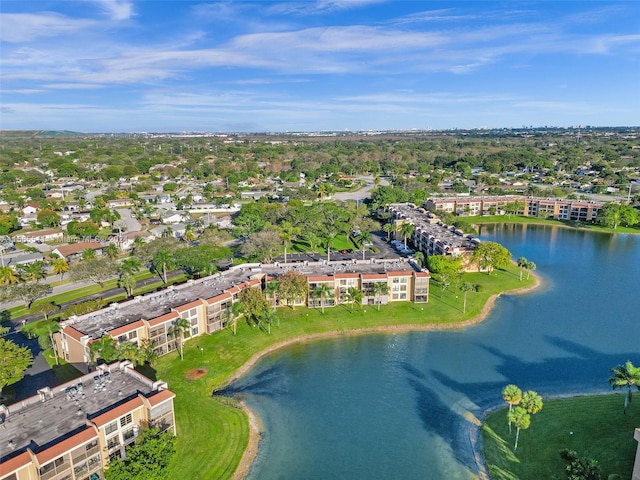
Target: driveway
[{"x": 133, "y": 225}]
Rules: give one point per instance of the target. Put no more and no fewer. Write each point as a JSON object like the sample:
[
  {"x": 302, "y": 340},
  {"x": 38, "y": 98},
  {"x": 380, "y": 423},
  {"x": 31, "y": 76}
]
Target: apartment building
[
  {"x": 430, "y": 236},
  {"x": 560, "y": 209},
  {"x": 72, "y": 431},
  {"x": 206, "y": 303}
]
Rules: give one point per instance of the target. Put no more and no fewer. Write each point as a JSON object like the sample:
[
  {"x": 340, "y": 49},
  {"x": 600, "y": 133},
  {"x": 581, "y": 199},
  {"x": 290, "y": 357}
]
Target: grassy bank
[
  {"x": 478, "y": 220},
  {"x": 212, "y": 435},
  {"x": 600, "y": 431}
]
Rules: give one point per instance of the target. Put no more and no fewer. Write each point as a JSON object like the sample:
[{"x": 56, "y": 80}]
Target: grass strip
[{"x": 593, "y": 426}]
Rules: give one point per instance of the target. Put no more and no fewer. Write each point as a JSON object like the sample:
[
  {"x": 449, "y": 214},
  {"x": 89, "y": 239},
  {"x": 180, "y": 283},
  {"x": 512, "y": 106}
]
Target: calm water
[{"x": 394, "y": 406}]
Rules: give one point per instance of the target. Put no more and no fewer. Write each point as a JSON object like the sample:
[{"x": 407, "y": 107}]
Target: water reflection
[{"x": 397, "y": 406}]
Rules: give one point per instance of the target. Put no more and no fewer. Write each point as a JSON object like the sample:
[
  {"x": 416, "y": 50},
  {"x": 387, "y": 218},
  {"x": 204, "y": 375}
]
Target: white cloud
[
  {"x": 26, "y": 27},
  {"x": 118, "y": 10}
]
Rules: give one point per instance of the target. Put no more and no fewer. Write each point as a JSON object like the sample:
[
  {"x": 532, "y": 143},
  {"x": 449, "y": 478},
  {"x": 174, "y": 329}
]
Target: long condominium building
[
  {"x": 206, "y": 303},
  {"x": 559, "y": 209},
  {"x": 72, "y": 431},
  {"x": 430, "y": 235}
]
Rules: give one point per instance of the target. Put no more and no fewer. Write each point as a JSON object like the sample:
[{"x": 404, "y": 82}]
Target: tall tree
[
  {"x": 59, "y": 266},
  {"x": 34, "y": 271},
  {"x": 530, "y": 268},
  {"x": 522, "y": 263},
  {"x": 521, "y": 420},
  {"x": 389, "y": 228},
  {"x": 531, "y": 402},
  {"x": 111, "y": 251},
  {"x": 293, "y": 287},
  {"x": 162, "y": 262},
  {"x": 14, "y": 360},
  {"x": 406, "y": 230},
  {"x": 355, "y": 296},
  {"x": 96, "y": 270},
  {"x": 322, "y": 292},
  {"x": 465, "y": 287},
  {"x": 512, "y": 395},
  {"x": 491, "y": 255},
  {"x": 253, "y": 303},
  {"x": 365, "y": 239},
  {"x": 625, "y": 376},
  {"x": 288, "y": 233},
  {"x": 30, "y": 292},
  {"x": 127, "y": 281},
  {"x": 380, "y": 289},
  {"x": 179, "y": 328},
  {"x": 45, "y": 309},
  {"x": 8, "y": 276},
  {"x": 147, "y": 458}
]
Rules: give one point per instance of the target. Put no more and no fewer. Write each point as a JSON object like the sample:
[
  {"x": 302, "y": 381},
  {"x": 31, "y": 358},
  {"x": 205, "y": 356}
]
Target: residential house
[
  {"x": 41, "y": 236},
  {"x": 74, "y": 250}
]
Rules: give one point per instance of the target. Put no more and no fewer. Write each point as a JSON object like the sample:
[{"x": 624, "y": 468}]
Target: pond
[{"x": 399, "y": 405}]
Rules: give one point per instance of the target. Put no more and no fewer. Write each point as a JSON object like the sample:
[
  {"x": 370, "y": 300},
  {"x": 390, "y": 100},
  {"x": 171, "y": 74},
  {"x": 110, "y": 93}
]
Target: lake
[{"x": 398, "y": 405}]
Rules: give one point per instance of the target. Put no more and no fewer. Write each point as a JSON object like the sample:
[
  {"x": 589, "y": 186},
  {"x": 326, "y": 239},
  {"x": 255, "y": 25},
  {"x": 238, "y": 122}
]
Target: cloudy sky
[{"x": 122, "y": 65}]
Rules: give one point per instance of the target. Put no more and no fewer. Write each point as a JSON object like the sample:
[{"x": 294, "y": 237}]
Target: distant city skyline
[{"x": 326, "y": 65}]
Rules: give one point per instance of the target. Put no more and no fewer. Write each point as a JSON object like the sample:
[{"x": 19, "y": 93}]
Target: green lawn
[
  {"x": 212, "y": 436},
  {"x": 600, "y": 431},
  {"x": 543, "y": 221}
]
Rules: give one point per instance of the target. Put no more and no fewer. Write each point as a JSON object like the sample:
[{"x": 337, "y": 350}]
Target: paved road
[{"x": 363, "y": 193}]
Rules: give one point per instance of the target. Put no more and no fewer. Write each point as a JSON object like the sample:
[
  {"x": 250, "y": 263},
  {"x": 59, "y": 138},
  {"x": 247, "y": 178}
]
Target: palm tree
[
  {"x": 137, "y": 243},
  {"x": 8, "y": 276},
  {"x": 189, "y": 234},
  {"x": 88, "y": 254},
  {"x": 530, "y": 267},
  {"x": 465, "y": 287},
  {"x": 321, "y": 292},
  {"x": 513, "y": 396},
  {"x": 531, "y": 402},
  {"x": 128, "y": 282},
  {"x": 313, "y": 240},
  {"x": 419, "y": 258},
  {"x": 406, "y": 230},
  {"x": 233, "y": 313},
  {"x": 521, "y": 419},
  {"x": 111, "y": 251},
  {"x": 388, "y": 228},
  {"x": 179, "y": 328},
  {"x": 365, "y": 238},
  {"x": 355, "y": 296},
  {"x": 268, "y": 316},
  {"x": 271, "y": 289},
  {"x": 130, "y": 265},
  {"x": 34, "y": 271},
  {"x": 626, "y": 375},
  {"x": 522, "y": 263},
  {"x": 288, "y": 233},
  {"x": 380, "y": 289},
  {"x": 162, "y": 262},
  {"x": 60, "y": 266}
]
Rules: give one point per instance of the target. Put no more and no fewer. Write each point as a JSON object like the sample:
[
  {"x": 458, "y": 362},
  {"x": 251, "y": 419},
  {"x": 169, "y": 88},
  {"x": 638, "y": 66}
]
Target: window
[
  {"x": 113, "y": 442},
  {"x": 128, "y": 434},
  {"x": 133, "y": 335},
  {"x": 122, "y": 338},
  {"x": 112, "y": 427},
  {"x": 126, "y": 420}
]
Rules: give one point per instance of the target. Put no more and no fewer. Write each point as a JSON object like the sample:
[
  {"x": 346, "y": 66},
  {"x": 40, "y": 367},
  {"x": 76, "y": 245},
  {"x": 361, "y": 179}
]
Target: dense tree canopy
[{"x": 14, "y": 360}]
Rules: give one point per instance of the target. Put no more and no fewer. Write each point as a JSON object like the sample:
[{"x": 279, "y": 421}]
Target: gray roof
[
  {"x": 156, "y": 304},
  {"x": 36, "y": 423}
]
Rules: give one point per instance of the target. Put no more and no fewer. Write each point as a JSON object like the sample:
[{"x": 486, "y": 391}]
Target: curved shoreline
[{"x": 255, "y": 424}]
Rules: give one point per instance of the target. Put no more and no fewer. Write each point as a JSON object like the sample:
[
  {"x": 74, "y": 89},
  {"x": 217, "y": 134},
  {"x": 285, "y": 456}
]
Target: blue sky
[{"x": 158, "y": 66}]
